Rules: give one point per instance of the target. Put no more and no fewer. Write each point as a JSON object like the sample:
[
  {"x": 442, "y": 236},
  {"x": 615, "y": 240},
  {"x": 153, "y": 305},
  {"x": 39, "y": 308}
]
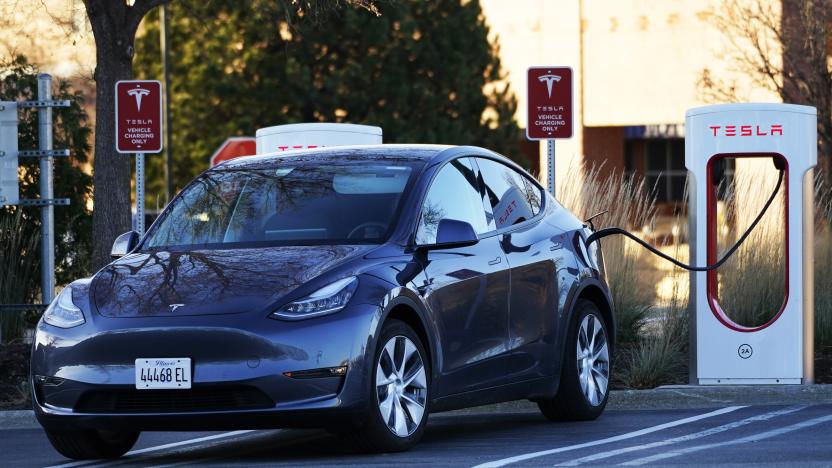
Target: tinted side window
[
  {"x": 510, "y": 196},
  {"x": 453, "y": 194}
]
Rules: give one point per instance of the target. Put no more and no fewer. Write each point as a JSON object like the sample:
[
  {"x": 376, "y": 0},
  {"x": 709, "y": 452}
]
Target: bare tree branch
[{"x": 780, "y": 46}]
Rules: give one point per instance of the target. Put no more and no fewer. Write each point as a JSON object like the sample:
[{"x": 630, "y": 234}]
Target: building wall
[
  {"x": 635, "y": 62},
  {"x": 604, "y": 148},
  {"x": 540, "y": 32},
  {"x": 643, "y": 60}
]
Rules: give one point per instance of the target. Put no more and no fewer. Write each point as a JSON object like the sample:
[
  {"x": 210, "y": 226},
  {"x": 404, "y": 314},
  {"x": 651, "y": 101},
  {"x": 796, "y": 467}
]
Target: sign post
[
  {"x": 139, "y": 129},
  {"x": 47, "y": 213},
  {"x": 549, "y": 110}
]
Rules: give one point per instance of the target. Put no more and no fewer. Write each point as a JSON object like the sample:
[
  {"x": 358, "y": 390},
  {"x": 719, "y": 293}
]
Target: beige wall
[
  {"x": 539, "y": 32},
  {"x": 641, "y": 59}
]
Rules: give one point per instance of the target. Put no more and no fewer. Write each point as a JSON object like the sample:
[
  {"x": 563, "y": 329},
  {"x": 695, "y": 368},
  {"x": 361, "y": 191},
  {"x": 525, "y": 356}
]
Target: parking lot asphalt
[{"x": 774, "y": 435}]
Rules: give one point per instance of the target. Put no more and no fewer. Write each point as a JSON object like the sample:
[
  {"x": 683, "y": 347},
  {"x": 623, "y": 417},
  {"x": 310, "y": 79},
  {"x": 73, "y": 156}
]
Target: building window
[
  {"x": 662, "y": 163},
  {"x": 664, "y": 169}
]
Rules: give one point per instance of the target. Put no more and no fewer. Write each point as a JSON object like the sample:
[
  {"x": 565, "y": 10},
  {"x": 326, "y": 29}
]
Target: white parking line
[
  {"x": 237, "y": 453},
  {"x": 157, "y": 448},
  {"x": 608, "y": 440},
  {"x": 742, "y": 440},
  {"x": 684, "y": 438}
]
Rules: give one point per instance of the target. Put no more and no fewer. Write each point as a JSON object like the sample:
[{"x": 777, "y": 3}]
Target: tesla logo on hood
[{"x": 173, "y": 307}]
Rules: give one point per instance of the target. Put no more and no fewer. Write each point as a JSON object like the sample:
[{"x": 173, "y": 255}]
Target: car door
[
  {"x": 466, "y": 288},
  {"x": 513, "y": 203}
]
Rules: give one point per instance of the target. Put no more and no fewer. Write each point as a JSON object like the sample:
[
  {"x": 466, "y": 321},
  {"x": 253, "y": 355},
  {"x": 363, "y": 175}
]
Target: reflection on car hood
[{"x": 206, "y": 282}]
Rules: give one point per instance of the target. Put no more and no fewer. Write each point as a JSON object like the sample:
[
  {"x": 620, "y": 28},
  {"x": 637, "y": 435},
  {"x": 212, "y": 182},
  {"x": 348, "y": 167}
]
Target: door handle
[{"x": 495, "y": 261}]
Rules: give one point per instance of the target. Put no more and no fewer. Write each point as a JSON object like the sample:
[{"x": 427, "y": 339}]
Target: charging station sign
[
  {"x": 549, "y": 103},
  {"x": 138, "y": 116}
]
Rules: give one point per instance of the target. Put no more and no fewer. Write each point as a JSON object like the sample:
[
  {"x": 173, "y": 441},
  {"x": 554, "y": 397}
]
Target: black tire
[
  {"x": 91, "y": 444},
  {"x": 373, "y": 434},
  {"x": 570, "y": 403}
]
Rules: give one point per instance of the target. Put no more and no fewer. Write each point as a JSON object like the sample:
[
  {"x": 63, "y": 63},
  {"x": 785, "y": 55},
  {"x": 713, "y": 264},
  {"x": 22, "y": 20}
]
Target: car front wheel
[
  {"x": 399, "y": 395},
  {"x": 585, "y": 376}
]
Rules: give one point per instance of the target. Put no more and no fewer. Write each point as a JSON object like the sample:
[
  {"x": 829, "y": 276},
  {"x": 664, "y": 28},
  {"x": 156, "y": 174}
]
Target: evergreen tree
[{"x": 423, "y": 71}]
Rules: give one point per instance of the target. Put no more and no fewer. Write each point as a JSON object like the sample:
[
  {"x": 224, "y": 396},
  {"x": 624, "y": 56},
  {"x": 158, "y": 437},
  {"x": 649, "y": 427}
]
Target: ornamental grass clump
[
  {"x": 627, "y": 203},
  {"x": 651, "y": 342}
]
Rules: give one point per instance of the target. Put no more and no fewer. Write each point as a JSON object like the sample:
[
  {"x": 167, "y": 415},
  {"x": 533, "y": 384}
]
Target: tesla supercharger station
[
  {"x": 315, "y": 135},
  {"x": 780, "y": 351}
]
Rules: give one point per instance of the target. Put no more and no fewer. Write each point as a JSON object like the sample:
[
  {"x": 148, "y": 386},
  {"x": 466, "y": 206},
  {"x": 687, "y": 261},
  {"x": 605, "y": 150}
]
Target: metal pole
[
  {"x": 550, "y": 169},
  {"x": 163, "y": 38},
  {"x": 140, "y": 193},
  {"x": 47, "y": 212}
]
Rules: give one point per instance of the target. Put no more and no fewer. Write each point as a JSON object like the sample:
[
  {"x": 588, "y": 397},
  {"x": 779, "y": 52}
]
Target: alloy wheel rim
[
  {"x": 593, "y": 359},
  {"x": 401, "y": 386}
]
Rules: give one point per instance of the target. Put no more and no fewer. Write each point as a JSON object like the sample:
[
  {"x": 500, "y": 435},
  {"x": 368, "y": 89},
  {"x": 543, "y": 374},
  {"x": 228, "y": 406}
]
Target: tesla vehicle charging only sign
[
  {"x": 138, "y": 116},
  {"x": 549, "y": 108}
]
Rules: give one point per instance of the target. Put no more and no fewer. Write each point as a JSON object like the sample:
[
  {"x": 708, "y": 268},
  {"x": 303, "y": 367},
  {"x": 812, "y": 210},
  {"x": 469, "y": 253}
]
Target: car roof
[{"x": 382, "y": 153}]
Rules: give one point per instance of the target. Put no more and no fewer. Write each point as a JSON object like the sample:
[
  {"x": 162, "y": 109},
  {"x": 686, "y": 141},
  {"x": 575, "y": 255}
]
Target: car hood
[{"x": 205, "y": 282}]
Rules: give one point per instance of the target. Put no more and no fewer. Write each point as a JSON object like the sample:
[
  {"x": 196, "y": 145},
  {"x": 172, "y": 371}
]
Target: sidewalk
[{"x": 662, "y": 398}]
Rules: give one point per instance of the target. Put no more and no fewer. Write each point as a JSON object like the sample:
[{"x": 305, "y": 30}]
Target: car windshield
[{"x": 286, "y": 205}]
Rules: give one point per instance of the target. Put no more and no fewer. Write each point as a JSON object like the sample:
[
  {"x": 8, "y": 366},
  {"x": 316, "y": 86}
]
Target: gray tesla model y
[{"x": 355, "y": 289}]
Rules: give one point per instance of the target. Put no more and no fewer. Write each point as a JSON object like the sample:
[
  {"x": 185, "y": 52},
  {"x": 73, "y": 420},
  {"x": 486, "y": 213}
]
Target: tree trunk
[{"x": 111, "y": 170}]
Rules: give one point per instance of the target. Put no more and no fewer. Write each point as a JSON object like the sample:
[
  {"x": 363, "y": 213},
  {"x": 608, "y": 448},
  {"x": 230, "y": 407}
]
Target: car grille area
[{"x": 173, "y": 401}]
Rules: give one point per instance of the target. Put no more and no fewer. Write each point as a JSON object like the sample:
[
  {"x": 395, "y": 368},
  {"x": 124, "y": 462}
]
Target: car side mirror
[
  {"x": 452, "y": 233},
  {"x": 124, "y": 244}
]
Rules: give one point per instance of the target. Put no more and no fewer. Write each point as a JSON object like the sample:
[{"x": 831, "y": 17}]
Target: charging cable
[{"x": 601, "y": 233}]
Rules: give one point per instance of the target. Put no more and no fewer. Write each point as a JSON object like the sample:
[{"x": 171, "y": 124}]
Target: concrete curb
[
  {"x": 17, "y": 419},
  {"x": 662, "y": 398},
  {"x": 694, "y": 396},
  {"x": 691, "y": 397}
]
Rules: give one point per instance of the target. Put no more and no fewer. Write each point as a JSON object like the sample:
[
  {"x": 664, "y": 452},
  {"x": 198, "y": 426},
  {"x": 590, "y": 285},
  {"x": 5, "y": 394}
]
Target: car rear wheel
[
  {"x": 584, "y": 383},
  {"x": 399, "y": 392},
  {"x": 91, "y": 444}
]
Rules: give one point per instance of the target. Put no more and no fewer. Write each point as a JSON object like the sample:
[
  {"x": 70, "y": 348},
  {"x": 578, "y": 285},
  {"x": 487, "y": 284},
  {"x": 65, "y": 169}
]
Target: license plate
[{"x": 154, "y": 373}]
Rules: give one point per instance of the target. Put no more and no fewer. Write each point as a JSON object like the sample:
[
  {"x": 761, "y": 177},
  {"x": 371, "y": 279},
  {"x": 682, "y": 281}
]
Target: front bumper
[{"x": 87, "y": 380}]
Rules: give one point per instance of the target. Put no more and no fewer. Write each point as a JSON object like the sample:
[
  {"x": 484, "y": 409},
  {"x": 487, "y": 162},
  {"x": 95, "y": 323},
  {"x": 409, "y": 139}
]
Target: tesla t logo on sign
[
  {"x": 138, "y": 116},
  {"x": 549, "y": 107}
]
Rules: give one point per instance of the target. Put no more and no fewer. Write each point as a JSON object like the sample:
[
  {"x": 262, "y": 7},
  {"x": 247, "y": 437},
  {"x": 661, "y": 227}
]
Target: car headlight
[
  {"x": 62, "y": 312},
  {"x": 327, "y": 300}
]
